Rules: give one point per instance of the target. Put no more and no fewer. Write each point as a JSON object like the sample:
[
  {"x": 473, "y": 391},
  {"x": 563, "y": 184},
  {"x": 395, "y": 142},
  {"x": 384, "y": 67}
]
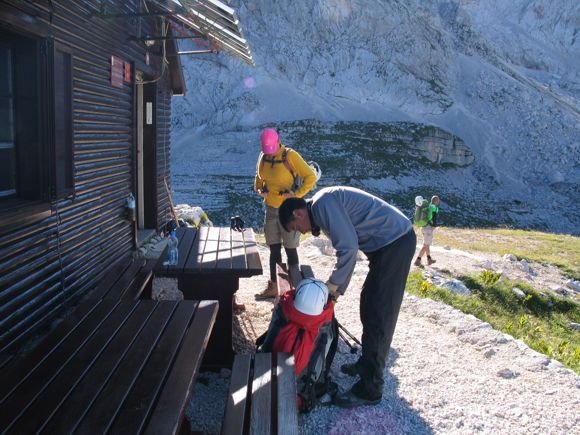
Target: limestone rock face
[{"x": 440, "y": 147}]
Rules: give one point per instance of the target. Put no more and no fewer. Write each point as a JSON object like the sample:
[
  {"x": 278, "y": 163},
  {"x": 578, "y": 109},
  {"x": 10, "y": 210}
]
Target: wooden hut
[{"x": 85, "y": 108}]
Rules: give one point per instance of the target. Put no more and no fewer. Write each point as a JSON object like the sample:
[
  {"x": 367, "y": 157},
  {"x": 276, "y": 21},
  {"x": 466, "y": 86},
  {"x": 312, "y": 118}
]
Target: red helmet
[{"x": 269, "y": 140}]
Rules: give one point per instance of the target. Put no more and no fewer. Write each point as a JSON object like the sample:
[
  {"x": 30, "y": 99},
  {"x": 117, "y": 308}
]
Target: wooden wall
[{"x": 51, "y": 262}]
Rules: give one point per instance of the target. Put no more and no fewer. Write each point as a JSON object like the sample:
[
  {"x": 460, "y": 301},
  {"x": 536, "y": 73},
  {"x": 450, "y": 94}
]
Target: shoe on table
[
  {"x": 418, "y": 262},
  {"x": 270, "y": 292},
  {"x": 430, "y": 261},
  {"x": 238, "y": 307}
]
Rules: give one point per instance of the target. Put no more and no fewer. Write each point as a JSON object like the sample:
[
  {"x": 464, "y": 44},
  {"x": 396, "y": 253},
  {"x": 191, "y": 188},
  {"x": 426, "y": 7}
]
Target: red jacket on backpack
[{"x": 288, "y": 339}]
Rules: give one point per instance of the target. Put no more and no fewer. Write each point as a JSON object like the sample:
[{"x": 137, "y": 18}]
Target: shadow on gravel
[
  {"x": 393, "y": 415},
  {"x": 244, "y": 335}
]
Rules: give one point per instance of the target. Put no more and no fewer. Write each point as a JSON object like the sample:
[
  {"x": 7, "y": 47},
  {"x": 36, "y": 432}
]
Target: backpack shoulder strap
[
  {"x": 260, "y": 163},
  {"x": 286, "y": 161}
]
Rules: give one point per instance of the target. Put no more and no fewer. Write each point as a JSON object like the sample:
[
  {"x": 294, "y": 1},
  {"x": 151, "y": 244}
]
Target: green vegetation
[
  {"x": 560, "y": 250},
  {"x": 543, "y": 321}
]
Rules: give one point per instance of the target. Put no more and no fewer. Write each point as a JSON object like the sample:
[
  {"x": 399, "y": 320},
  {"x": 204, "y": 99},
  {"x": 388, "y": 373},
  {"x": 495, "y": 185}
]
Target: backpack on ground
[
  {"x": 421, "y": 216},
  {"x": 298, "y": 180},
  {"x": 313, "y": 341}
]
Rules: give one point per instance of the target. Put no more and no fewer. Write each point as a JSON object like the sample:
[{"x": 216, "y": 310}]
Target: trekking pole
[
  {"x": 356, "y": 340},
  {"x": 352, "y": 347}
]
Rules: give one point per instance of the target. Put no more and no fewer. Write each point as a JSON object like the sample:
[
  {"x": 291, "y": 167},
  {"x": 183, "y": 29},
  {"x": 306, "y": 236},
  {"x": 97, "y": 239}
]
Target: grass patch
[
  {"x": 560, "y": 250},
  {"x": 542, "y": 321}
]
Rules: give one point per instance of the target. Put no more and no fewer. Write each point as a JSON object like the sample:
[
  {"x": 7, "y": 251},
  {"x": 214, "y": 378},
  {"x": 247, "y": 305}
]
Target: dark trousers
[{"x": 380, "y": 302}]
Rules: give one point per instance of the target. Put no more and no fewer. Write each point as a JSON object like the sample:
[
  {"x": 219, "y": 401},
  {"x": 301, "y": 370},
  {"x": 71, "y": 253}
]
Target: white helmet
[
  {"x": 419, "y": 201},
  {"x": 311, "y": 296}
]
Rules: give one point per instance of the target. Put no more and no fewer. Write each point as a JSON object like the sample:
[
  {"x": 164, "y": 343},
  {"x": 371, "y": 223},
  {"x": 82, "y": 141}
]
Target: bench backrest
[{"x": 130, "y": 278}]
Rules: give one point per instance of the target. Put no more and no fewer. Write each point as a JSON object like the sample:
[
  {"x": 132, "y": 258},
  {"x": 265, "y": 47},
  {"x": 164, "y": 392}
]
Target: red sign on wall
[
  {"x": 127, "y": 72},
  {"x": 117, "y": 71}
]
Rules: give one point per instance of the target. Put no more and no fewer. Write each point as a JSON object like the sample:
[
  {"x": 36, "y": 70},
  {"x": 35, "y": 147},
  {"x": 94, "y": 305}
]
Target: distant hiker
[
  {"x": 353, "y": 220},
  {"x": 276, "y": 170},
  {"x": 427, "y": 226}
]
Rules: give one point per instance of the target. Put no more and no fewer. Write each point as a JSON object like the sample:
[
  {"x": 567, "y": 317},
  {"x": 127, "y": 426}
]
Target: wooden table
[
  {"x": 112, "y": 366},
  {"x": 211, "y": 262}
]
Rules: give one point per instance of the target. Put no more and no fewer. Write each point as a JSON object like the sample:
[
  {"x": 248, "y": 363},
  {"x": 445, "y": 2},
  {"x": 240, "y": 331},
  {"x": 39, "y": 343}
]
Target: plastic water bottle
[{"x": 172, "y": 252}]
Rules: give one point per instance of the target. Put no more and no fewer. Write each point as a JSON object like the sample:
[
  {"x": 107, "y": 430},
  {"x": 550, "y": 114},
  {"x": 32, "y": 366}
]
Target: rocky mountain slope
[{"x": 503, "y": 77}]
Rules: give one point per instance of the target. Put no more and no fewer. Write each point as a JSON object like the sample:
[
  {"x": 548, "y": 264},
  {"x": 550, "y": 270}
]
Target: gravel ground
[{"x": 447, "y": 373}]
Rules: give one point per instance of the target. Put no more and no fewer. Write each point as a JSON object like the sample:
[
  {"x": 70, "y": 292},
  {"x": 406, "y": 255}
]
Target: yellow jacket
[{"x": 276, "y": 178}]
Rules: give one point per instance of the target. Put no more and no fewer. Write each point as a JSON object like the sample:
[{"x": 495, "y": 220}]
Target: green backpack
[{"x": 421, "y": 216}]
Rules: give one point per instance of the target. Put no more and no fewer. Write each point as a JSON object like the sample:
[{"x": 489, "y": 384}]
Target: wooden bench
[
  {"x": 129, "y": 278},
  {"x": 117, "y": 362},
  {"x": 262, "y": 395},
  {"x": 115, "y": 366}
]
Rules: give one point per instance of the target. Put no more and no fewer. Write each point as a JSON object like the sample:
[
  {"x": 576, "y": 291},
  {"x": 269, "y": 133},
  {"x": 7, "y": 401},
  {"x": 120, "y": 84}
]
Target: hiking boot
[
  {"x": 349, "y": 399},
  {"x": 418, "y": 262},
  {"x": 270, "y": 292},
  {"x": 350, "y": 369},
  {"x": 430, "y": 261}
]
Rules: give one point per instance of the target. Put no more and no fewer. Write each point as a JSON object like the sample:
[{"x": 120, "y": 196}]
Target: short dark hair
[{"x": 287, "y": 208}]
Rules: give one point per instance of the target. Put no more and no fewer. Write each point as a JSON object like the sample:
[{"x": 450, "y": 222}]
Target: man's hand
[
  {"x": 333, "y": 293},
  {"x": 263, "y": 193}
]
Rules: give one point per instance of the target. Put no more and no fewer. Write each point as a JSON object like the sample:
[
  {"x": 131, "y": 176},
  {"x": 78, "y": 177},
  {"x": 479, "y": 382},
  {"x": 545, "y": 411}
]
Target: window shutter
[{"x": 63, "y": 154}]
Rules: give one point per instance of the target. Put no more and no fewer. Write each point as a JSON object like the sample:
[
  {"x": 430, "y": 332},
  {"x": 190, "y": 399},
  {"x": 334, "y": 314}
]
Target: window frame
[
  {"x": 8, "y": 96},
  {"x": 44, "y": 161},
  {"x": 62, "y": 147}
]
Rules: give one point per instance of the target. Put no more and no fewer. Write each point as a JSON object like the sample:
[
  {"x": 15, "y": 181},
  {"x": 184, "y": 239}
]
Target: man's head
[
  {"x": 293, "y": 215},
  {"x": 435, "y": 200}
]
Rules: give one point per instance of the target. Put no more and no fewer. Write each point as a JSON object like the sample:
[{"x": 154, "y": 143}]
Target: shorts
[
  {"x": 275, "y": 233},
  {"x": 427, "y": 235}
]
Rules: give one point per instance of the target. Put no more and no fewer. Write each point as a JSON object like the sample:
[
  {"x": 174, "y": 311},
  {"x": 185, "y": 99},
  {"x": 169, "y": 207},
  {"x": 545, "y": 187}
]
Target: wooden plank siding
[{"x": 54, "y": 261}]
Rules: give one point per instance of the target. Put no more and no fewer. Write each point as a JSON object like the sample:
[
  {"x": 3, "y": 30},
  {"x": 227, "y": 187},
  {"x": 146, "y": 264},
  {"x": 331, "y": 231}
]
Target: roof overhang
[
  {"x": 175, "y": 68},
  {"x": 213, "y": 25}
]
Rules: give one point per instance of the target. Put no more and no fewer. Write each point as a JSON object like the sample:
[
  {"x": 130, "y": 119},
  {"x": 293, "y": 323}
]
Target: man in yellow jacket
[{"x": 277, "y": 172}]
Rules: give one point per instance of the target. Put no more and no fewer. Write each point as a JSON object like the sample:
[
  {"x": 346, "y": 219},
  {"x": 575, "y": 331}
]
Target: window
[
  {"x": 7, "y": 146},
  {"x": 36, "y": 145}
]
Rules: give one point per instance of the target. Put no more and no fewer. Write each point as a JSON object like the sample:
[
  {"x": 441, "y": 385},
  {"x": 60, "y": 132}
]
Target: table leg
[{"x": 219, "y": 352}]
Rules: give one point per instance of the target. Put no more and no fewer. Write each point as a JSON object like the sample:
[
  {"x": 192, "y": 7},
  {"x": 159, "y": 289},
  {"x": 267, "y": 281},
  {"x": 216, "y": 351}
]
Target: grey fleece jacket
[{"x": 353, "y": 219}]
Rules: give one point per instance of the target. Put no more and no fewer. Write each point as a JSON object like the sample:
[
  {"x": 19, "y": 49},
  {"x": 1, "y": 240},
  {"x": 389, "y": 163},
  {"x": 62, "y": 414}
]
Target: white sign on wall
[{"x": 149, "y": 113}]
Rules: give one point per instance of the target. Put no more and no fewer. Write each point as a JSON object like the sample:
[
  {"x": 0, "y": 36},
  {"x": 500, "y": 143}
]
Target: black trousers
[{"x": 380, "y": 302}]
